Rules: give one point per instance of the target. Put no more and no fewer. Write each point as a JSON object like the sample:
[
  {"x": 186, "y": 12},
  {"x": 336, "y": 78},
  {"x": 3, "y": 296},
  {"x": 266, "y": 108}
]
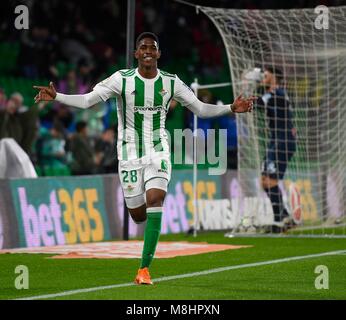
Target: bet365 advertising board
[{"x": 67, "y": 210}]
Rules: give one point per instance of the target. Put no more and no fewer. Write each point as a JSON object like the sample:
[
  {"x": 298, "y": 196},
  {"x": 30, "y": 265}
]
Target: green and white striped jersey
[{"x": 142, "y": 106}]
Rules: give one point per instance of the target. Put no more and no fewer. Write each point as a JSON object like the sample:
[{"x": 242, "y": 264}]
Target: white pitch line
[{"x": 186, "y": 275}]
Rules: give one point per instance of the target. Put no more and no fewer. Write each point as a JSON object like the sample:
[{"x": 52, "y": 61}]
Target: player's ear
[
  {"x": 159, "y": 54},
  {"x": 136, "y": 54}
]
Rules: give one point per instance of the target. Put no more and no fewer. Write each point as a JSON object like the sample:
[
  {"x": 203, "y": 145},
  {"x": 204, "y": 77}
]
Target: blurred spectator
[
  {"x": 51, "y": 151},
  {"x": 38, "y": 52},
  {"x": 3, "y": 99},
  {"x": 72, "y": 84},
  {"x": 84, "y": 72},
  {"x": 75, "y": 51},
  {"x": 18, "y": 101},
  {"x": 83, "y": 162},
  {"x": 65, "y": 116},
  {"x": 59, "y": 113},
  {"x": 106, "y": 152},
  {"x": 21, "y": 126},
  {"x": 104, "y": 57}
]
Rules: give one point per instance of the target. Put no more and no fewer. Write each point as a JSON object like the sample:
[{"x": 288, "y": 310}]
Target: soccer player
[
  {"x": 143, "y": 96},
  {"x": 282, "y": 143}
]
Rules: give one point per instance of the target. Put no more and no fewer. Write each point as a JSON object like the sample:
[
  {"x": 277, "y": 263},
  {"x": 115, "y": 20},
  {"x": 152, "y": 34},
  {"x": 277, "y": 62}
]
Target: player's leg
[
  {"x": 137, "y": 208},
  {"x": 155, "y": 196},
  {"x": 273, "y": 170},
  {"x": 131, "y": 179},
  {"x": 271, "y": 187},
  {"x": 156, "y": 177},
  {"x": 286, "y": 154},
  {"x": 275, "y": 166}
]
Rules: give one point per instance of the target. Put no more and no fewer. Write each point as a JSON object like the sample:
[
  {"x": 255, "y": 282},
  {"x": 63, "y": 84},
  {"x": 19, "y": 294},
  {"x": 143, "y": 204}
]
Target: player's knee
[
  {"x": 139, "y": 220},
  {"x": 155, "y": 200},
  {"x": 138, "y": 215},
  {"x": 155, "y": 203}
]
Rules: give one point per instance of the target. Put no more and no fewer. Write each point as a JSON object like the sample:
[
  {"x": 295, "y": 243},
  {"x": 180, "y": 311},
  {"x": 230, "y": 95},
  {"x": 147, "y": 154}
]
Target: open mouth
[{"x": 148, "y": 58}]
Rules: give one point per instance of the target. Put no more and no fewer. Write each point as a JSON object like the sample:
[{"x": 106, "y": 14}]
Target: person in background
[
  {"x": 19, "y": 122},
  {"x": 51, "y": 153},
  {"x": 83, "y": 162},
  {"x": 281, "y": 145},
  {"x": 72, "y": 83},
  {"x": 19, "y": 102},
  {"x": 59, "y": 113},
  {"x": 106, "y": 153},
  {"x": 3, "y": 99}
]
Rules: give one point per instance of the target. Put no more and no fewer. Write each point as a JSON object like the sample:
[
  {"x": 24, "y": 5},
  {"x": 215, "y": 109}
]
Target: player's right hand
[
  {"x": 241, "y": 104},
  {"x": 45, "y": 93}
]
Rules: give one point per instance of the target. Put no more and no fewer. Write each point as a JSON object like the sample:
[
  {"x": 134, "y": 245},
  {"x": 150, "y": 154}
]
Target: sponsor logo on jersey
[{"x": 146, "y": 108}]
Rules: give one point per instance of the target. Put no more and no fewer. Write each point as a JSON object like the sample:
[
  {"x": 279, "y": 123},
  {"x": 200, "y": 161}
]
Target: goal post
[{"x": 309, "y": 47}]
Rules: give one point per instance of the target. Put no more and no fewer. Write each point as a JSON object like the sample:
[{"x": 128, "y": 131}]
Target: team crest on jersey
[
  {"x": 163, "y": 92},
  {"x": 130, "y": 188},
  {"x": 164, "y": 166}
]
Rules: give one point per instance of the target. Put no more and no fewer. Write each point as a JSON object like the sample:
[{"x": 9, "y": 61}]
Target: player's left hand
[{"x": 241, "y": 104}]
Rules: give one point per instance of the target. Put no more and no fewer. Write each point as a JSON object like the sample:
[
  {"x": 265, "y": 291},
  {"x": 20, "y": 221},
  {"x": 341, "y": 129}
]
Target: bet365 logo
[{"x": 68, "y": 217}]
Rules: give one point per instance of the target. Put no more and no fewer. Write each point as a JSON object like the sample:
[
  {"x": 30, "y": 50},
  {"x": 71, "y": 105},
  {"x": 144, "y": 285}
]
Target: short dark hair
[
  {"x": 276, "y": 72},
  {"x": 147, "y": 35},
  {"x": 80, "y": 125}
]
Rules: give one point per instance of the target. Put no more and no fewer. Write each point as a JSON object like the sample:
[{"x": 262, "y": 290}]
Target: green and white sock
[{"x": 151, "y": 235}]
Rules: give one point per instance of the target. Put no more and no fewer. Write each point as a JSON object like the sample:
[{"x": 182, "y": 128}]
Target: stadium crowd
[{"x": 76, "y": 44}]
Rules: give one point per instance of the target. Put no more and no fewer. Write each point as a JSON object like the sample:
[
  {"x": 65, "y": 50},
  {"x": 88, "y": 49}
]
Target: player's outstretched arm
[
  {"x": 205, "y": 110},
  {"x": 79, "y": 100}
]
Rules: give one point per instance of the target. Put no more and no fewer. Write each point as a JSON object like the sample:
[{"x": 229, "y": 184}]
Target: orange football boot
[{"x": 143, "y": 276}]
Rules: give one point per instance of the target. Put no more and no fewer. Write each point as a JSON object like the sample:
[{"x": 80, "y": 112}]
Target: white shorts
[{"x": 138, "y": 176}]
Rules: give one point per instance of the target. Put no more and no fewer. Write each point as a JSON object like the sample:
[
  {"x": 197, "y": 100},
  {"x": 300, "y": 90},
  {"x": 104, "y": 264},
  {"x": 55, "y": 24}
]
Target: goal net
[{"x": 309, "y": 47}]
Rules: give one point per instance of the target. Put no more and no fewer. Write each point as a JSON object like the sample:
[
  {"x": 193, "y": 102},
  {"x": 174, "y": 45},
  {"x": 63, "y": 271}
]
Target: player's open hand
[
  {"x": 45, "y": 93},
  {"x": 241, "y": 104}
]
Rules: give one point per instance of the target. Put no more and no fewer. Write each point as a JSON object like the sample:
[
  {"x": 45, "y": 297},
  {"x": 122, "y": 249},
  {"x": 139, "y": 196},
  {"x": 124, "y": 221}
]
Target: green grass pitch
[{"x": 284, "y": 280}]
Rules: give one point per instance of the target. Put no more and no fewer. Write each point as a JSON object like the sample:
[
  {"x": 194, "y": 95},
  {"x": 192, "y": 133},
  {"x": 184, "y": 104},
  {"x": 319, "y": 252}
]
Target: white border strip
[{"x": 186, "y": 275}]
